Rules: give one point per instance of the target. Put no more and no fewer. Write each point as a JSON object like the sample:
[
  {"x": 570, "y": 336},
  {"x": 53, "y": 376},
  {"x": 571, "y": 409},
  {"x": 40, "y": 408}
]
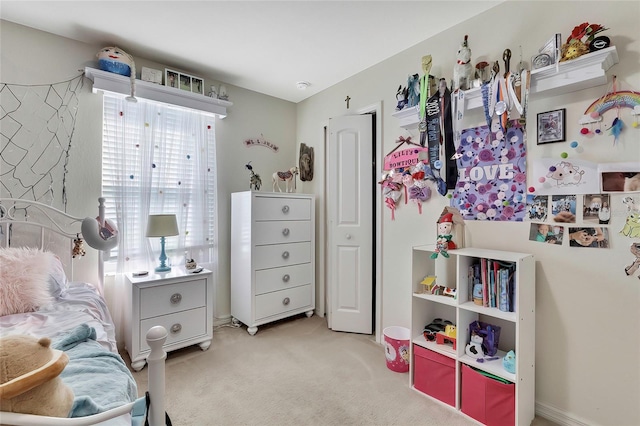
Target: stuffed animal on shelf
[
  {"x": 115, "y": 60},
  {"x": 443, "y": 242},
  {"x": 509, "y": 362},
  {"x": 463, "y": 70},
  {"x": 29, "y": 373},
  {"x": 474, "y": 348}
]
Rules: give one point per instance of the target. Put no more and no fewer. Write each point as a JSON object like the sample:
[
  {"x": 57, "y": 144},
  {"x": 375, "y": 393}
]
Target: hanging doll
[{"x": 443, "y": 242}]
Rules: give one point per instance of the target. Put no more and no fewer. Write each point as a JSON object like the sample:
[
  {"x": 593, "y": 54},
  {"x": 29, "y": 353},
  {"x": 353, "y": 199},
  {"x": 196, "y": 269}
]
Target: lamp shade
[{"x": 162, "y": 225}]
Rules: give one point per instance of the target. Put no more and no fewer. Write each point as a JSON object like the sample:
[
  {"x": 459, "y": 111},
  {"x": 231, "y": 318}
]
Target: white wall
[
  {"x": 587, "y": 339},
  {"x": 33, "y": 57},
  {"x": 587, "y": 335}
]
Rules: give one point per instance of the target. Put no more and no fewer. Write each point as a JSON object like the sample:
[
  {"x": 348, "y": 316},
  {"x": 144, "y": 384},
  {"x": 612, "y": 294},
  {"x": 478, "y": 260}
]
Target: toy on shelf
[
  {"x": 287, "y": 177},
  {"x": 402, "y": 97},
  {"x": 254, "y": 179},
  {"x": 115, "y": 60},
  {"x": 583, "y": 40},
  {"x": 463, "y": 70},
  {"x": 428, "y": 282},
  {"x": 435, "y": 326},
  {"x": 443, "y": 242},
  {"x": 509, "y": 362},
  {"x": 474, "y": 348},
  {"x": 448, "y": 336}
]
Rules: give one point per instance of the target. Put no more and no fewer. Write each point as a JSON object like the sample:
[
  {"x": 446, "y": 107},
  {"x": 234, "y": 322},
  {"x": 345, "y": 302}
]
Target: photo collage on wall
[
  {"x": 557, "y": 218},
  {"x": 573, "y": 201}
]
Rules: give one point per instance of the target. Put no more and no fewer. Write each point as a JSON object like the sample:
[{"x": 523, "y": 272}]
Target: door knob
[
  {"x": 285, "y": 209},
  {"x": 348, "y": 236},
  {"x": 285, "y": 255},
  {"x": 285, "y": 231},
  {"x": 286, "y": 278},
  {"x": 286, "y": 301}
]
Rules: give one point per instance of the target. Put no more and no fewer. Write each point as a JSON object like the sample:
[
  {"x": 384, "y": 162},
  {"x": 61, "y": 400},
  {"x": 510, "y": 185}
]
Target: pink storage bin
[
  {"x": 434, "y": 374},
  {"x": 487, "y": 400}
]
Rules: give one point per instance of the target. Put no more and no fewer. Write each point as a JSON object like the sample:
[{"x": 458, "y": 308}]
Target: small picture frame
[
  {"x": 183, "y": 81},
  {"x": 551, "y": 126},
  {"x": 171, "y": 78}
]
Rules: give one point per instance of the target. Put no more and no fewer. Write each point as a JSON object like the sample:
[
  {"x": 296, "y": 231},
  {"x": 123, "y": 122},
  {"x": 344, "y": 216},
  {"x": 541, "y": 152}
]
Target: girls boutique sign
[
  {"x": 404, "y": 158},
  {"x": 491, "y": 174}
]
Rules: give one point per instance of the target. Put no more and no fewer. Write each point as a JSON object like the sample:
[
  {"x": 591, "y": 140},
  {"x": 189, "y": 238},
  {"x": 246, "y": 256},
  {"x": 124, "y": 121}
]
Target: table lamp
[{"x": 162, "y": 225}]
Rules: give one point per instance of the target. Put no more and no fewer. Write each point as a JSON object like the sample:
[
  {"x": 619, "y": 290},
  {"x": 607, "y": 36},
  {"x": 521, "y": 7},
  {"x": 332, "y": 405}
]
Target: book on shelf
[{"x": 495, "y": 280}]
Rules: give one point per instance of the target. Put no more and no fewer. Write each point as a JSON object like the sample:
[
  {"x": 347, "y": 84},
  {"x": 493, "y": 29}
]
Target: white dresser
[
  {"x": 179, "y": 301},
  {"x": 272, "y": 256}
]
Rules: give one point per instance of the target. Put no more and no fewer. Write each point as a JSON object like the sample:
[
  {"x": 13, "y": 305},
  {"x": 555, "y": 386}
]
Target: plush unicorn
[{"x": 287, "y": 177}]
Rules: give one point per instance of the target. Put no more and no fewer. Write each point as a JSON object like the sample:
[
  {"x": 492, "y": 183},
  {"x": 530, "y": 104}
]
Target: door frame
[{"x": 322, "y": 306}]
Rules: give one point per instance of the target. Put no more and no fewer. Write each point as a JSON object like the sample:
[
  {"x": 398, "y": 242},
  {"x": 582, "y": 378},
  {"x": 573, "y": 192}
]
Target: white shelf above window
[
  {"x": 581, "y": 73},
  {"x": 110, "y": 82}
]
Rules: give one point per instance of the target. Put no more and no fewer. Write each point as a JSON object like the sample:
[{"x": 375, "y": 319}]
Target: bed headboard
[{"x": 26, "y": 223}]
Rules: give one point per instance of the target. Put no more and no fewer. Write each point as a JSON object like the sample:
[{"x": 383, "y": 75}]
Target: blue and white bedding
[{"x": 79, "y": 323}]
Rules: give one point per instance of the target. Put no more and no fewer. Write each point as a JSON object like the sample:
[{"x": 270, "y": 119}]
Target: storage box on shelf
[{"x": 449, "y": 368}]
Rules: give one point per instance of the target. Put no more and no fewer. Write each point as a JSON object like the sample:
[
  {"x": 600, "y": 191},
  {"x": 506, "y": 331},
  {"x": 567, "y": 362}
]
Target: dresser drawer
[
  {"x": 268, "y": 280},
  {"x": 277, "y": 255},
  {"x": 281, "y": 301},
  {"x": 281, "y": 232},
  {"x": 170, "y": 298},
  {"x": 275, "y": 208},
  {"x": 180, "y": 326}
]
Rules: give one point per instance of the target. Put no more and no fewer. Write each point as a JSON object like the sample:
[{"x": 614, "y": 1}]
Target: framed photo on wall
[{"x": 551, "y": 126}]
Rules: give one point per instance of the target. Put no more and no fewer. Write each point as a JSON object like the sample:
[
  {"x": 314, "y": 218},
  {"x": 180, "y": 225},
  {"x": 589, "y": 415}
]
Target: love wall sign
[{"x": 492, "y": 179}]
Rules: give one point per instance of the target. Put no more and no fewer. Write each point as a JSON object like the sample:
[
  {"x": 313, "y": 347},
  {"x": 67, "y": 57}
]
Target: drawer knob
[
  {"x": 175, "y": 328},
  {"x": 285, "y": 231},
  {"x": 285, "y": 255},
  {"x": 285, "y": 278},
  {"x": 286, "y": 301},
  {"x": 175, "y": 298},
  {"x": 285, "y": 209}
]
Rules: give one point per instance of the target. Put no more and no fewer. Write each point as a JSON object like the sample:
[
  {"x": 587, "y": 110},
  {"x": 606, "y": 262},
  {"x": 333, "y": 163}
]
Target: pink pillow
[{"x": 24, "y": 279}]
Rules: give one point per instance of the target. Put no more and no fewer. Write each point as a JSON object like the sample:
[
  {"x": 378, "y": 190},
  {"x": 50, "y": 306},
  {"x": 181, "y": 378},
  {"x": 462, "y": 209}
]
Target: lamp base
[{"x": 163, "y": 269}]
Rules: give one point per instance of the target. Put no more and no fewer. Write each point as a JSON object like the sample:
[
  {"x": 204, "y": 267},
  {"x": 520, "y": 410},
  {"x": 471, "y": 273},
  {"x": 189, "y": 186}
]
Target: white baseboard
[
  {"x": 217, "y": 321},
  {"x": 555, "y": 415}
]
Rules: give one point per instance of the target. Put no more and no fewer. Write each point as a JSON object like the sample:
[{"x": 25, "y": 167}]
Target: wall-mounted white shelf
[
  {"x": 116, "y": 83},
  {"x": 408, "y": 118},
  {"x": 581, "y": 73}
]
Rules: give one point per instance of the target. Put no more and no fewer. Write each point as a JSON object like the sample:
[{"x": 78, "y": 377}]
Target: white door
[{"x": 349, "y": 198}]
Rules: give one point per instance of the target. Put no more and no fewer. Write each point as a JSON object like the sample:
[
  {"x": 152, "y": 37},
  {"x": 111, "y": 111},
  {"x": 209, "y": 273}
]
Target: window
[{"x": 158, "y": 158}]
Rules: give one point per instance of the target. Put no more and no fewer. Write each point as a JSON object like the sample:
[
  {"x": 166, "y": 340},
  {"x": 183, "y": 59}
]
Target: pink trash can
[{"x": 396, "y": 348}]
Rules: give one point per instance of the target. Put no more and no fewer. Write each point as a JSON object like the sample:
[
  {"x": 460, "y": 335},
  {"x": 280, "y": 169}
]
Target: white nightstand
[{"x": 179, "y": 301}]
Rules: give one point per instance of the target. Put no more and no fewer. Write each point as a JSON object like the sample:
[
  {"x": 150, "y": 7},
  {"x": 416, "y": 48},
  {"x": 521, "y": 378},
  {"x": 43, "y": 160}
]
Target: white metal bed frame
[{"x": 48, "y": 219}]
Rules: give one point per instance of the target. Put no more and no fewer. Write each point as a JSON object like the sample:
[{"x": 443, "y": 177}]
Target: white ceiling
[{"x": 264, "y": 46}]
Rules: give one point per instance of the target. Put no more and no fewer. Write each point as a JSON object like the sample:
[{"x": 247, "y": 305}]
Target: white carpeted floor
[{"x": 293, "y": 372}]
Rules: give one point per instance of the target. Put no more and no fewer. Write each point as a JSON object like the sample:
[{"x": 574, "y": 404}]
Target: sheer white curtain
[{"x": 159, "y": 159}]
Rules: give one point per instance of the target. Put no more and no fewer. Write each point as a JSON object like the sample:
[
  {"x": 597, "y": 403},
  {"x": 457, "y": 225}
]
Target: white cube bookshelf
[{"x": 517, "y": 328}]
